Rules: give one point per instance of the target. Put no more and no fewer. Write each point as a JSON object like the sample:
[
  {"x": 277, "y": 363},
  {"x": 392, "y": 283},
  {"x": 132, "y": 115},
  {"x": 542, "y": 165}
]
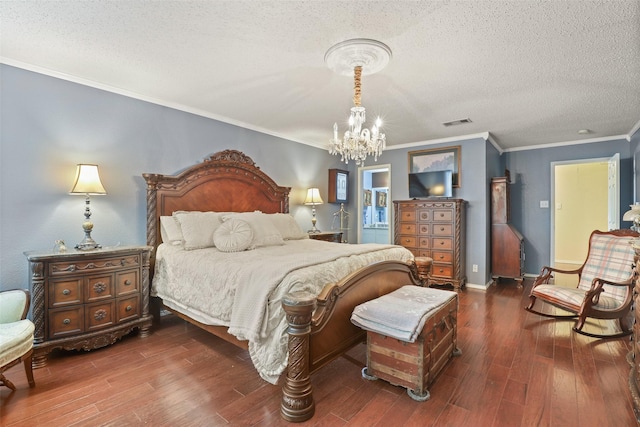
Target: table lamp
[
  {"x": 313, "y": 198},
  {"x": 87, "y": 182}
]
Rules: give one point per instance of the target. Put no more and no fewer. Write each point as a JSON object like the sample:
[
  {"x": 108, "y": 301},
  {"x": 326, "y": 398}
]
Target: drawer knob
[
  {"x": 441, "y": 215},
  {"x": 407, "y": 240},
  {"x": 441, "y": 256},
  {"x": 99, "y": 287},
  {"x": 441, "y": 228},
  {"x": 100, "y": 314},
  {"x": 129, "y": 308},
  {"x": 66, "y": 321},
  {"x": 442, "y": 243},
  {"x": 66, "y": 292},
  {"x": 441, "y": 270},
  {"x": 127, "y": 282}
]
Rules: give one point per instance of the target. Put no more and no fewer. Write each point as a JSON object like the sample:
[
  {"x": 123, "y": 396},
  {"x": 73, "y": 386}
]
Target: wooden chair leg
[
  {"x": 5, "y": 381},
  {"x": 28, "y": 369}
]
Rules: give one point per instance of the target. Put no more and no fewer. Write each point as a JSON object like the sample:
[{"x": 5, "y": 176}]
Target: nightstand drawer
[
  {"x": 128, "y": 308},
  {"x": 99, "y": 288},
  {"x": 127, "y": 282},
  {"x": 64, "y": 322},
  {"x": 100, "y": 315},
  {"x": 65, "y": 292},
  {"x": 93, "y": 265}
]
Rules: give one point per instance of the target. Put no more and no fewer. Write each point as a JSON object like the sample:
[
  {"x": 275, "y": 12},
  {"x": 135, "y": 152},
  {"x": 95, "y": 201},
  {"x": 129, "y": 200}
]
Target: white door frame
[
  {"x": 360, "y": 195},
  {"x": 552, "y": 204}
]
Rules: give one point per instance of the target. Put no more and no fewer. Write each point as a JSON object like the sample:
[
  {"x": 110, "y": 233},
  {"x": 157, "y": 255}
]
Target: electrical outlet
[{"x": 475, "y": 268}]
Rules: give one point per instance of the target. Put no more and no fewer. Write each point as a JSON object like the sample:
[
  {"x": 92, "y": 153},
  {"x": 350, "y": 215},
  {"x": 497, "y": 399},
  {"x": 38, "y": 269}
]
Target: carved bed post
[
  {"x": 297, "y": 397},
  {"x": 423, "y": 267}
]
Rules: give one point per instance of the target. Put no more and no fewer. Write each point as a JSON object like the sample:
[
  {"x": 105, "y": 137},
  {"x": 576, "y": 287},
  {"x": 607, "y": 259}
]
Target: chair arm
[
  {"x": 546, "y": 274},
  {"x": 14, "y": 305},
  {"x": 597, "y": 287}
]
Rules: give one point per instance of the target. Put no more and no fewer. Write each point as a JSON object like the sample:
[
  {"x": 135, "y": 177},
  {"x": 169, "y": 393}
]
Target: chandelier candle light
[{"x": 358, "y": 56}]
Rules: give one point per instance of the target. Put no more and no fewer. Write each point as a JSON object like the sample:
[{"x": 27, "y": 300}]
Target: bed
[{"x": 304, "y": 321}]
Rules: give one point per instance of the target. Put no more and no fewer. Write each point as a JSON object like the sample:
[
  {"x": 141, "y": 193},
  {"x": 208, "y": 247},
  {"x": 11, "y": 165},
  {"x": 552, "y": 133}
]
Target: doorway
[
  {"x": 374, "y": 198},
  {"x": 584, "y": 197}
]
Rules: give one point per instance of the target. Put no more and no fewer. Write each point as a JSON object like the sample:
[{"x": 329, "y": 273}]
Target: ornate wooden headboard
[{"x": 227, "y": 181}]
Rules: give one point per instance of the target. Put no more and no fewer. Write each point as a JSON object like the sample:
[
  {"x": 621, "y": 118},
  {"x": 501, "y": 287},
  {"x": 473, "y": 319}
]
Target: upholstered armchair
[
  {"x": 605, "y": 284},
  {"x": 16, "y": 334}
]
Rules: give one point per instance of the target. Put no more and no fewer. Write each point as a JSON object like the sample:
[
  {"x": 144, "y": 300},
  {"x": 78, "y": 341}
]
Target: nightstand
[
  {"x": 83, "y": 300},
  {"x": 327, "y": 236}
]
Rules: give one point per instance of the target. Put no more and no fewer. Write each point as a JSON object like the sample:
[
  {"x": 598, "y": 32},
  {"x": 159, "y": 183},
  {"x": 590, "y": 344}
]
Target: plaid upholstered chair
[{"x": 605, "y": 285}]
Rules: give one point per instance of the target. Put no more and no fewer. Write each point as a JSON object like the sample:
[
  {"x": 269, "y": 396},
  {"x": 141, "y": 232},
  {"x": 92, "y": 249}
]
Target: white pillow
[
  {"x": 264, "y": 232},
  {"x": 287, "y": 226},
  {"x": 234, "y": 235},
  {"x": 198, "y": 228},
  {"x": 170, "y": 231}
]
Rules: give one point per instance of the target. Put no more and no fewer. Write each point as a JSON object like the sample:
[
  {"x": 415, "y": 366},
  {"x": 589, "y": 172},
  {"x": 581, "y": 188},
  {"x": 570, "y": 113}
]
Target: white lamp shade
[
  {"x": 87, "y": 181},
  {"x": 313, "y": 197},
  {"x": 632, "y": 213}
]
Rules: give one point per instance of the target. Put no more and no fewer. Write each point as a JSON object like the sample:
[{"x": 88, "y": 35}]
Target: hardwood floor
[{"x": 517, "y": 369}]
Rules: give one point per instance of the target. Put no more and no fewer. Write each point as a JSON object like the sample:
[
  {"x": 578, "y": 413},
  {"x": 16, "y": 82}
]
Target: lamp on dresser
[
  {"x": 313, "y": 198},
  {"x": 87, "y": 183}
]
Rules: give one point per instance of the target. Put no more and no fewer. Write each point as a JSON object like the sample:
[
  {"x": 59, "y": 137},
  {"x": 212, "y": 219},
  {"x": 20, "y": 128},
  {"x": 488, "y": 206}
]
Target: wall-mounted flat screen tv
[{"x": 431, "y": 184}]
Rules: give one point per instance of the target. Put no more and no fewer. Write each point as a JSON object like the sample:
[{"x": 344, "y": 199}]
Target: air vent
[{"x": 456, "y": 122}]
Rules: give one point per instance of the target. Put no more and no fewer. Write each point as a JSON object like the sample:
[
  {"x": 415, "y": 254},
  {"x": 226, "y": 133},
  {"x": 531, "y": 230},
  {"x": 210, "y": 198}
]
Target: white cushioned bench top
[{"x": 402, "y": 313}]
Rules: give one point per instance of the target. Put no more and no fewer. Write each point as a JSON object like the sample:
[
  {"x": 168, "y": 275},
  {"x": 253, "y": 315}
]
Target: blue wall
[
  {"x": 533, "y": 184},
  {"x": 49, "y": 125}
]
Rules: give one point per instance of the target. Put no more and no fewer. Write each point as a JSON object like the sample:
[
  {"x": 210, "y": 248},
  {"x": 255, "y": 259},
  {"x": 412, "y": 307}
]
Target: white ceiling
[{"x": 527, "y": 73}]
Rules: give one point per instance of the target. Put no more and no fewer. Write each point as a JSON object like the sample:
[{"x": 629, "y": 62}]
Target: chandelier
[{"x": 358, "y": 56}]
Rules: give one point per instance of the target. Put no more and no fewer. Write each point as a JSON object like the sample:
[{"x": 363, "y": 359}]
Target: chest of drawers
[
  {"x": 434, "y": 229},
  {"x": 86, "y": 300}
]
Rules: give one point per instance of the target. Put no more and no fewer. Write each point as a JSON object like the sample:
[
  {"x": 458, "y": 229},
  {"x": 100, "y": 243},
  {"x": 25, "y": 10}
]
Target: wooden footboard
[{"x": 320, "y": 330}]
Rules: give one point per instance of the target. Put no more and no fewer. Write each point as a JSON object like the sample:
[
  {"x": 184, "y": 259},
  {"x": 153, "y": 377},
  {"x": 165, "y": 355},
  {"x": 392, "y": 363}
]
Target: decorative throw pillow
[
  {"x": 198, "y": 228},
  {"x": 287, "y": 226},
  {"x": 264, "y": 232},
  {"x": 234, "y": 235},
  {"x": 170, "y": 231}
]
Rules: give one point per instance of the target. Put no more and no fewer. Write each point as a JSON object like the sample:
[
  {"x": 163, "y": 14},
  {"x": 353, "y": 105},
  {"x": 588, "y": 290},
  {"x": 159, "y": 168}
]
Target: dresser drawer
[
  {"x": 443, "y": 215},
  {"x": 66, "y": 321},
  {"x": 408, "y": 241},
  {"x": 127, "y": 282},
  {"x": 424, "y": 229},
  {"x": 407, "y": 228},
  {"x": 424, "y": 243},
  {"x": 409, "y": 216},
  {"x": 424, "y": 215},
  {"x": 442, "y": 229},
  {"x": 128, "y": 308},
  {"x": 99, "y": 288},
  {"x": 442, "y": 270},
  {"x": 65, "y": 292},
  {"x": 90, "y": 265},
  {"x": 442, "y": 257},
  {"x": 100, "y": 315},
  {"x": 442, "y": 243}
]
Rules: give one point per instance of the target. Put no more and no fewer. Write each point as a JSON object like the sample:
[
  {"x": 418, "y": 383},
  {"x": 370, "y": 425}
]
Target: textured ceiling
[{"x": 526, "y": 72}]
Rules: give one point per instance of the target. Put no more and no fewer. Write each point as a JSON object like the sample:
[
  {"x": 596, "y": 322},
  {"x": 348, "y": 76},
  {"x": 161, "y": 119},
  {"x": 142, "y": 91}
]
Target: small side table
[
  {"x": 327, "y": 236},
  {"x": 83, "y": 300}
]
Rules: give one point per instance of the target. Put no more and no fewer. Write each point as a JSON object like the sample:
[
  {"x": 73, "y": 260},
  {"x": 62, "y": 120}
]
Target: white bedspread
[{"x": 244, "y": 290}]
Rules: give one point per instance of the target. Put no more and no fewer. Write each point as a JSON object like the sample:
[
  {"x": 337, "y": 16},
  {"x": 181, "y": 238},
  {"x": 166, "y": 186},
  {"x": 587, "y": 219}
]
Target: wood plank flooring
[{"x": 517, "y": 369}]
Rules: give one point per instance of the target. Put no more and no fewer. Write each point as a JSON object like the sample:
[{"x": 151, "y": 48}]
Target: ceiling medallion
[{"x": 358, "y": 57}]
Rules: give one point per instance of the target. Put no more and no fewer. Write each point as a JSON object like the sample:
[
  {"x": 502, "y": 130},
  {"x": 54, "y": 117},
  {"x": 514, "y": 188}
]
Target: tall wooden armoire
[{"x": 507, "y": 244}]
